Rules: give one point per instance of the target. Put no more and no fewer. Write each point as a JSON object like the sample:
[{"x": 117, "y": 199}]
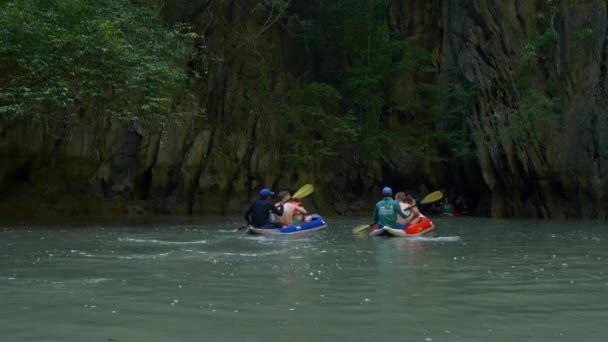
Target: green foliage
[
  {"x": 584, "y": 33},
  {"x": 277, "y": 7},
  {"x": 436, "y": 121},
  {"x": 536, "y": 47},
  {"x": 375, "y": 60},
  {"x": 360, "y": 61},
  {"x": 537, "y": 105},
  {"x": 315, "y": 127},
  {"x": 537, "y": 108},
  {"x": 366, "y": 83},
  {"x": 57, "y": 57},
  {"x": 344, "y": 101},
  {"x": 314, "y": 123}
]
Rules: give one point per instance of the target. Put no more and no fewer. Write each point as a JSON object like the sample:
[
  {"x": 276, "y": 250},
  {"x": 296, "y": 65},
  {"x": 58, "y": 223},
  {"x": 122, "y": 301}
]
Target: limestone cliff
[
  {"x": 533, "y": 165},
  {"x": 546, "y": 166}
]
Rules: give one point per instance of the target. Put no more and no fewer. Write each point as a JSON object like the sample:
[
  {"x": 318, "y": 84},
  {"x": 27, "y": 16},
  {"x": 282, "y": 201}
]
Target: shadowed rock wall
[{"x": 214, "y": 163}]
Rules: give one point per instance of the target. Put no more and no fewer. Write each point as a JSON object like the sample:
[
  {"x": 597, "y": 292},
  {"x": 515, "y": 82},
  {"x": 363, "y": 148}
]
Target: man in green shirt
[{"x": 387, "y": 210}]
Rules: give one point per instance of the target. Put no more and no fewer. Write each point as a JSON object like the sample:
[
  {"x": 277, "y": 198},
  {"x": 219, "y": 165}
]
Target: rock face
[
  {"x": 534, "y": 164},
  {"x": 550, "y": 166}
]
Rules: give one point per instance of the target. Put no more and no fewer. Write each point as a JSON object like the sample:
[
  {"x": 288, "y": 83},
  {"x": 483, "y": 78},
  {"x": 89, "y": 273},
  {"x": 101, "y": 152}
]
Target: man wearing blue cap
[
  {"x": 387, "y": 210},
  {"x": 258, "y": 214}
]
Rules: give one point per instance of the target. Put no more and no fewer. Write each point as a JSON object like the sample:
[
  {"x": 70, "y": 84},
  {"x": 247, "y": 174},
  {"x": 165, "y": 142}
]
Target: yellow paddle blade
[
  {"x": 432, "y": 197},
  {"x": 361, "y": 227},
  {"x": 239, "y": 228},
  {"x": 304, "y": 191}
]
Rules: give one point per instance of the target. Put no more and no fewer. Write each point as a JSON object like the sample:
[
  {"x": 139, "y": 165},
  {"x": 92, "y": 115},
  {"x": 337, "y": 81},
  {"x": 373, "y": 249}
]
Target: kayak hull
[
  {"x": 402, "y": 233},
  {"x": 421, "y": 228},
  {"x": 317, "y": 224},
  {"x": 396, "y": 232}
]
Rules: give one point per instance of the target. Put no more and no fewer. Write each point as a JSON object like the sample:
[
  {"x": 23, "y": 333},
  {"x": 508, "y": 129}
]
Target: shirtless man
[{"x": 290, "y": 209}]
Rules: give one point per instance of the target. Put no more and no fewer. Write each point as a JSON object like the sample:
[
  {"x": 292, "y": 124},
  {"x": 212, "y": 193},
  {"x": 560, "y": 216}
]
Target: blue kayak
[{"x": 317, "y": 223}]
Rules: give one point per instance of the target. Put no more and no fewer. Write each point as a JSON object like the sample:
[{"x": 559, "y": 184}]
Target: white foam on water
[
  {"x": 280, "y": 239},
  {"x": 82, "y": 253},
  {"x": 113, "y": 256},
  {"x": 238, "y": 254},
  {"x": 95, "y": 280},
  {"x": 162, "y": 242},
  {"x": 144, "y": 256},
  {"x": 436, "y": 239},
  {"x": 62, "y": 283},
  {"x": 261, "y": 254}
]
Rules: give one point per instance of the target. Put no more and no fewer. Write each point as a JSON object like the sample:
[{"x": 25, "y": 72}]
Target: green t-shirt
[{"x": 386, "y": 212}]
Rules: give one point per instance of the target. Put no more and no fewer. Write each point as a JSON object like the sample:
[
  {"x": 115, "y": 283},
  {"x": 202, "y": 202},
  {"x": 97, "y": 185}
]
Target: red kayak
[{"x": 424, "y": 226}]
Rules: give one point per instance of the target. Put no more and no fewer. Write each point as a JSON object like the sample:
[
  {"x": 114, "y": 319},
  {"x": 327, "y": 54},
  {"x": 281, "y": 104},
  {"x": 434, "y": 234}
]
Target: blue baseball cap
[
  {"x": 387, "y": 191},
  {"x": 266, "y": 192}
]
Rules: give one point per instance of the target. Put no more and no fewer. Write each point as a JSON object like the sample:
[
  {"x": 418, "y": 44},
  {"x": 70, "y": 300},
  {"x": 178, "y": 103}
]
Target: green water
[{"x": 195, "y": 280}]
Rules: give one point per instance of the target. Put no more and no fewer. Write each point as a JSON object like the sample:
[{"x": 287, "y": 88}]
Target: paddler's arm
[
  {"x": 301, "y": 210},
  {"x": 404, "y": 214},
  {"x": 248, "y": 214},
  {"x": 376, "y": 214},
  {"x": 277, "y": 209}
]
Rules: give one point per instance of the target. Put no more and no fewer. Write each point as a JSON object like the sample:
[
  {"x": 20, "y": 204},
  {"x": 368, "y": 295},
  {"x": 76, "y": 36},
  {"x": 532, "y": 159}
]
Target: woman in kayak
[
  {"x": 401, "y": 197},
  {"x": 416, "y": 217}
]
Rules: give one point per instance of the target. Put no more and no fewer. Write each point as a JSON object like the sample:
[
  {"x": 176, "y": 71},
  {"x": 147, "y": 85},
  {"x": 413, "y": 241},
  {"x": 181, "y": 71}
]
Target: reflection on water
[{"x": 194, "y": 279}]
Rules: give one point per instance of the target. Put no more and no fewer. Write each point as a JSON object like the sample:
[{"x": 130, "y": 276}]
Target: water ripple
[{"x": 162, "y": 242}]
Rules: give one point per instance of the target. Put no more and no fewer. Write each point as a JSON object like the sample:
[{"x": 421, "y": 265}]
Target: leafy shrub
[{"x": 57, "y": 57}]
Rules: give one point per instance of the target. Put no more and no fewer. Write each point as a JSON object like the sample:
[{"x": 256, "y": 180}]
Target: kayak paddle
[
  {"x": 304, "y": 191},
  {"x": 362, "y": 227},
  {"x": 239, "y": 228},
  {"x": 432, "y": 197}
]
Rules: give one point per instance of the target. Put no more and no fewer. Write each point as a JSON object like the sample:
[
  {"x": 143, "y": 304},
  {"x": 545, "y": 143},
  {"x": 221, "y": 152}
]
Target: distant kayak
[
  {"x": 316, "y": 224},
  {"x": 423, "y": 227}
]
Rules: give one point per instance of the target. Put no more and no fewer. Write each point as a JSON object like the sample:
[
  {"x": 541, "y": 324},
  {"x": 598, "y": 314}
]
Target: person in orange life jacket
[
  {"x": 258, "y": 214},
  {"x": 299, "y": 212},
  {"x": 401, "y": 197},
  {"x": 387, "y": 210}
]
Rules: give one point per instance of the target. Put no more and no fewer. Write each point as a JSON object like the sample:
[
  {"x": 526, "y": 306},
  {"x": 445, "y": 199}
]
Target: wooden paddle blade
[
  {"x": 432, "y": 197},
  {"x": 361, "y": 227},
  {"x": 304, "y": 191}
]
